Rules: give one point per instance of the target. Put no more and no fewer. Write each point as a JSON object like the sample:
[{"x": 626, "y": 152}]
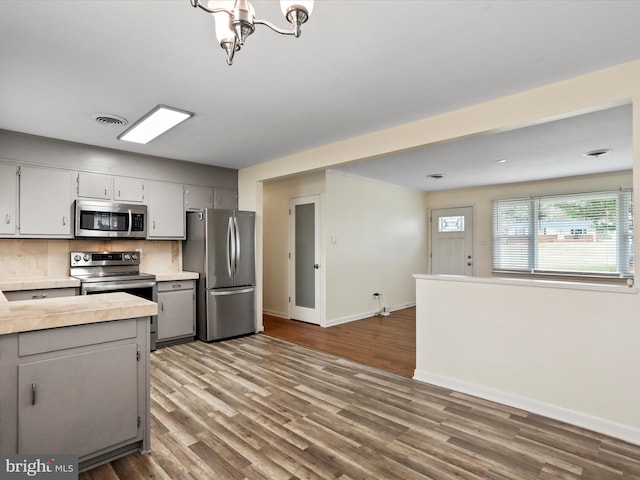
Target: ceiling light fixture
[
  {"x": 235, "y": 20},
  {"x": 160, "y": 119},
  {"x": 597, "y": 153}
]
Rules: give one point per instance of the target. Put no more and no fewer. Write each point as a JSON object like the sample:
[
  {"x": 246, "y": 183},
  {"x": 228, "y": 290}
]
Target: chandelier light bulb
[{"x": 287, "y": 5}]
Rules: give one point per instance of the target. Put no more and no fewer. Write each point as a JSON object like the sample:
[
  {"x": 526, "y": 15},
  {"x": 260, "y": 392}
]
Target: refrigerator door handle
[
  {"x": 232, "y": 292},
  {"x": 231, "y": 249},
  {"x": 236, "y": 230}
]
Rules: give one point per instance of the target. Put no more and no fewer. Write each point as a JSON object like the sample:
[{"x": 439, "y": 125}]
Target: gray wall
[{"x": 30, "y": 149}]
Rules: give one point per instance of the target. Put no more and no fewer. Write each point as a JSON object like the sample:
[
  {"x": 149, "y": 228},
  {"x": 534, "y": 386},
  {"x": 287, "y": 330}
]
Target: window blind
[{"x": 589, "y": 233}]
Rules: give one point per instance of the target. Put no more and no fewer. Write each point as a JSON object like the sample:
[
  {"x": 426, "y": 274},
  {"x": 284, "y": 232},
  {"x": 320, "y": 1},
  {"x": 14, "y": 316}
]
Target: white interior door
[
  {"x": 452, "y": 241},
  {"x": 304, "y": 259}
]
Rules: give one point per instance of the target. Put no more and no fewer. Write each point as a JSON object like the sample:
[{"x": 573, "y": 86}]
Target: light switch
[{"x": 334, "y": 239}]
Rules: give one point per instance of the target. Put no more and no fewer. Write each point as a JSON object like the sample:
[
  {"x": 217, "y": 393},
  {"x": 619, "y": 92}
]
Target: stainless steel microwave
[{"x": 111, "y": 220}]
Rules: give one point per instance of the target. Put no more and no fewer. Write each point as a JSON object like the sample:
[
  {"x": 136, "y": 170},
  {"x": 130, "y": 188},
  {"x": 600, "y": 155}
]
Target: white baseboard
[
  {"x": 361, "y": 316},
  {"x": 276, "y": 314},
  {"x": 573, "y": 417}
]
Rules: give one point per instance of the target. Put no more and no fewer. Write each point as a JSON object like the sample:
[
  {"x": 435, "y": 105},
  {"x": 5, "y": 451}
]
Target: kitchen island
[{"x": 74, "y": 376}]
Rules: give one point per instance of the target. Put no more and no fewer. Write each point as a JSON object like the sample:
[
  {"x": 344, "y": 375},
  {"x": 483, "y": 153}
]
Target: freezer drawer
[{"x": 230, "y": 312}]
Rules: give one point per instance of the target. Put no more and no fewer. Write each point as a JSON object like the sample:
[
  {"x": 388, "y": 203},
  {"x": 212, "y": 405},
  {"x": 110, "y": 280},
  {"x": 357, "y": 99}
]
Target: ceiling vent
[{"x": 108, "y": 119}]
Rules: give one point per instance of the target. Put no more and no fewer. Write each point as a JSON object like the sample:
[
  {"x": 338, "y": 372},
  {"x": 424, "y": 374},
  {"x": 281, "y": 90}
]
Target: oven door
[{"x": 143, "y": 288}]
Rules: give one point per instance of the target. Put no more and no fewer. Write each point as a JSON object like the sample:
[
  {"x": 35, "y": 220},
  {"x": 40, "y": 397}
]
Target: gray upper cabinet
[
  {"x": 225, "y": 199},
  {"x": 197, "y": 198},
  {"x": 165, "y": 207},
  {"x": 127, "y": 189},
  {"x": 8, "y": 199},
  {"x": 45, "y": 203},
  {"x": 108, "y": 187},
  {"x": 93, "y": 185}
]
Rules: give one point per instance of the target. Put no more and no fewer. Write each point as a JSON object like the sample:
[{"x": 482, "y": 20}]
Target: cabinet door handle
[
  {"x": 8, "y": 218},
  {"x": 41, "y": 295},
  {"x": 33, "y": 394},
  {"x": 64, "y": 220},
  {"x": 176, "y": 285},
  {"x": 154, "y": 224},
  {"x": 105, "y": 191},
  {"x": 162, "y": 306}
]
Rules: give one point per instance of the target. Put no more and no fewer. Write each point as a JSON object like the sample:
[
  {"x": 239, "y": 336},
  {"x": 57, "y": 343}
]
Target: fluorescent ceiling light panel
[{"x": 154, "y": 123}]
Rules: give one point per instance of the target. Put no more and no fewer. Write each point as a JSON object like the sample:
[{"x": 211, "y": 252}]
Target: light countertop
[
  {"x": 524, "y": 282},
  {"x": 30, "y": 315},
  {"x": 37, "y": 283},
  {"x": 171, "y": 276}
]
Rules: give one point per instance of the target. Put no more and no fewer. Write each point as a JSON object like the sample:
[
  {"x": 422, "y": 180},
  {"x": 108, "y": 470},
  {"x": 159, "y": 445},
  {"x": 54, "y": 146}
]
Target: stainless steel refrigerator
[{"x": 220, "y": 246}]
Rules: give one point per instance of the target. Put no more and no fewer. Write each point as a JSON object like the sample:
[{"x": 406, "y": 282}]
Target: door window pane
[
  {"x": 305, "y": 255},
  {"x": 451, "y": 224}
]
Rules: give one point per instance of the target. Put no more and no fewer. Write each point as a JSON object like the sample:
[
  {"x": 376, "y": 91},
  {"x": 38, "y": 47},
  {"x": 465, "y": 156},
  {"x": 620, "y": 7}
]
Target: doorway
[
  {"x": 304, "y": 259},
  {"x": 452, "y": 241}
]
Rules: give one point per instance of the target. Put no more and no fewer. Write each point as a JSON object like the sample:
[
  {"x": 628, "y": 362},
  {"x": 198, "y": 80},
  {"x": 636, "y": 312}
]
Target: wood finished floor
[
  {"x": 385, "y": 342},
  {"x": 259, "y": 408}
]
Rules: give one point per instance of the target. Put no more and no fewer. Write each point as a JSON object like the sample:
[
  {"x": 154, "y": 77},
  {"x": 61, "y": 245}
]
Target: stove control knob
[
  {"x": 77, "y": 257},
  {"x": 134, "y": 256},
  {"x": 127, "y": 256},
  {"x": 86, "y": 257}
]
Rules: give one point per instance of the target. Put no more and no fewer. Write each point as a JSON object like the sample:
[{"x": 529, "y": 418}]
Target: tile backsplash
[{"x": 28, "y": 258}]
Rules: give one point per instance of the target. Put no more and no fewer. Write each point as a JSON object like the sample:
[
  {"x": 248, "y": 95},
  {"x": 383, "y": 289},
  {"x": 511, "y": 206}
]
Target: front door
[
  {"x": 304, "y": 258},
  {"x": 452, "y": 241}
]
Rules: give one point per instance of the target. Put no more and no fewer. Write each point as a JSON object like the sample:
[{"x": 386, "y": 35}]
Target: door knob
[
  {"x": 316, "y": 266},
  {"x": 469, "y": 264}
]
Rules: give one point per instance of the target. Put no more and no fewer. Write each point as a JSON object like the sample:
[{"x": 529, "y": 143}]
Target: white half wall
[{"x": 567, "y": 351}]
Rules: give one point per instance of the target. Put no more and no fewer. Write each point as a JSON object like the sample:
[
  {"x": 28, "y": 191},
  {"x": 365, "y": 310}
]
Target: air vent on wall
[{"x": 108, "y": 119}]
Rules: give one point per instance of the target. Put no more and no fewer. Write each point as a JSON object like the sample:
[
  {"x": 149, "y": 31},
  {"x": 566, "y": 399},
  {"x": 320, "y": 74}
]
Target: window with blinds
[{"x": 579, "y": 234}]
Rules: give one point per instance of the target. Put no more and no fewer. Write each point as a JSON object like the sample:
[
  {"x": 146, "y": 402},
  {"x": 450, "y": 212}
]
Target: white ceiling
[{"x": 358, "y": 67}]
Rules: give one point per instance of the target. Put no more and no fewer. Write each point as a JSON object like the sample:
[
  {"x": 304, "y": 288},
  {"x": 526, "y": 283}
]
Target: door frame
[
  {"x": 473, "y": 234},
  {"x": 316, "y": 315}
]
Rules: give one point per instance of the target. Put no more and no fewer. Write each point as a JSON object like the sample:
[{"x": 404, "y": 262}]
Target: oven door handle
[
  {"x": 130, "y": 218},
  {"x": 114, "y": 288}
]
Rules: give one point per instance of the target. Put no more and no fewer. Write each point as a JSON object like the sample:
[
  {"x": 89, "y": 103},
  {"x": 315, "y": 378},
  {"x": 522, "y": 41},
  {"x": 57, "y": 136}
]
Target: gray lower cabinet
[
  {"x": 41, "y": 293},
  {"x": 81, "y": 390},
  {"x": 176, "y": 311}
]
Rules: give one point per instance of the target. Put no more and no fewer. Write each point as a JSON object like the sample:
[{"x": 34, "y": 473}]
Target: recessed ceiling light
[
  {"x": 436, "y": 176},
  {"x": 502, "y": 160},
  {"x": 154, "y": 123},
  {"x": 597, "y": 153}
]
